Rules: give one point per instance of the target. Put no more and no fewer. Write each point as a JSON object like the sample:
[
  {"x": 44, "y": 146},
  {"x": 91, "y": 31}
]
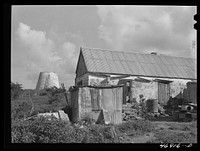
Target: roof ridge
[{"x": 134, "y": 52}]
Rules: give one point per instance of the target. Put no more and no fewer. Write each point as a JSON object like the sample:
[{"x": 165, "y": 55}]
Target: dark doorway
[
  {"x": 127, "y": 92},
  {"x": 163, "y": 93}
]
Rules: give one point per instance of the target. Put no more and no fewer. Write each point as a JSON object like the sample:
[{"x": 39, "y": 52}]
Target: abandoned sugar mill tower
[{"x": 47, "y": 80}]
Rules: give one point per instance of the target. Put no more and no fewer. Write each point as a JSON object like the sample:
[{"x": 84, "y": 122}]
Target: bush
[
  {"x": 16, "y": 90},
  {"x": 20, "y": 110},
  {"x": 42, "y": 130},
  {"x": 52, "y": 130}
]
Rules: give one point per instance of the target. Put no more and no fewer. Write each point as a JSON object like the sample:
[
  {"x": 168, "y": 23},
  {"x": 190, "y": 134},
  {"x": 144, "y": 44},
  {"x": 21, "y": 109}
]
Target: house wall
[
  {"x": 149, "y": 90},
  {"x": 178, "y": 88},
  {"x": 192, "y": 92},
  {"x": 94, "y": 80}
]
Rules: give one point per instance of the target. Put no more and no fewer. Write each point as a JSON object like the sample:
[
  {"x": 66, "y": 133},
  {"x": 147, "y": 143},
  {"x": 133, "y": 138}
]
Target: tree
[{"x": 16, "y": 90}]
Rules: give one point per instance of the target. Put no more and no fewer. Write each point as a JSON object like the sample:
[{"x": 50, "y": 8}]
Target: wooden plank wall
[{"x": 192, "y": 92}]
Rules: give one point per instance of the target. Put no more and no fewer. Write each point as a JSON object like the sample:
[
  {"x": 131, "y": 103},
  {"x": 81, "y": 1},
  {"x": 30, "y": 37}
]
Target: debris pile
[
  {"x": 186, "y": 112},
  {"x": 130, "y": 111},
  {"x": 60, "y": 114},
  {"x": 141, "y": 111}
]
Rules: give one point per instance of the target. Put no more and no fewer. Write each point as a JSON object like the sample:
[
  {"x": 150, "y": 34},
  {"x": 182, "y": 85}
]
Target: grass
[
  {"x": 177, "y": 133},
  {"x": 183, "y": 126},
  {"x": 168, "y": 136},
  {"x": 131, "y": 129},
  {"x": 41, "y": 130}
]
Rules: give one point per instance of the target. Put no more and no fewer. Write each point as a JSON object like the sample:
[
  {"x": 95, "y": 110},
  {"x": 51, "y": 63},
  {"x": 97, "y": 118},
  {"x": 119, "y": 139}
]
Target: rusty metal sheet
[
  {"x": 111, "y": 105},
  {"x": 118, "y": 98},
  {"x": 95, "y": 98},
  {"x": 107, "y": 99}
]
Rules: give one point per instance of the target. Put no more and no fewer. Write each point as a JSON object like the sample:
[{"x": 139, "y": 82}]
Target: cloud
[
  {"x": 139, "y": 28},
  {"x": 39, "y": 53}
]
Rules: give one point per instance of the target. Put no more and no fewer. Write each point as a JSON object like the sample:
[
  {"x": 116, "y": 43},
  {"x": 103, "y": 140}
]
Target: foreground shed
[{"x": 99, "y": 103}]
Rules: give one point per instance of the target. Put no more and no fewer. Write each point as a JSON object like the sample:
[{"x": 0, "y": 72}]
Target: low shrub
[
  {"x": 16, "y": 90},
  {"x": 52, "y": 130},
  {"x": 20, "y": 110},
  {"x": 42, "y": 130}
]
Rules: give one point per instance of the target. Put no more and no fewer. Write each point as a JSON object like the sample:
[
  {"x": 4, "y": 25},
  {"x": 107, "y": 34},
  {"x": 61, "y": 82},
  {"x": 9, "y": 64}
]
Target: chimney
[{"x": 154, "y": 53}]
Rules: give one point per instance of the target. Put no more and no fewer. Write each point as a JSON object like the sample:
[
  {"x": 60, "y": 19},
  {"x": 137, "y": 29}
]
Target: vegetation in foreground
[{"x": 52, "y": 130}]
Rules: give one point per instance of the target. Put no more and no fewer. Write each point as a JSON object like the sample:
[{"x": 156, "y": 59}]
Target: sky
[{"x": 48, "y": 37}]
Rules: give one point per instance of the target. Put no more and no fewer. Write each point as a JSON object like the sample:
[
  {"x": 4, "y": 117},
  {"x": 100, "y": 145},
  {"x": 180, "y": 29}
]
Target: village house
[{"x": 152, "y": 76}]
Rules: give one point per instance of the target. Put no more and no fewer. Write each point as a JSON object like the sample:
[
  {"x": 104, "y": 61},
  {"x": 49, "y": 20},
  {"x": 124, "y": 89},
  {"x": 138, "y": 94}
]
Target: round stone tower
[{"x": 47, "y": 80}]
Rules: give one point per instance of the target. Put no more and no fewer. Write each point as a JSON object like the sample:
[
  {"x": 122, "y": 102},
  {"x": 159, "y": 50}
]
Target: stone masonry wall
[{"x": 149, "y": 90}]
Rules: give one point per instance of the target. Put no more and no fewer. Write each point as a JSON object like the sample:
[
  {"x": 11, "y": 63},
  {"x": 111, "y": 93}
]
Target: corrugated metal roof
[{"x": 115, "y": 62}]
